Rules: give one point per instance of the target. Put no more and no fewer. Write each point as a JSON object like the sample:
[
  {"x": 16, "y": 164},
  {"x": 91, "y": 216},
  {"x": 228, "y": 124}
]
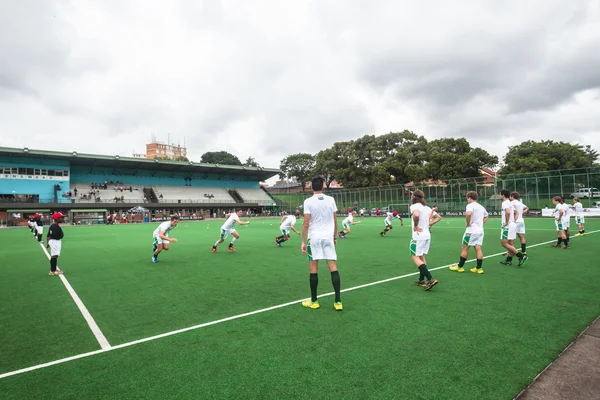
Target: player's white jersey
[
  {"x": 163, "y": 227},
  {"x": 348, "y": 220},
  {"x": 230, "y": 222},
  {"x": 289, "y": 221},
  {"x": 478, "y": 213},
  {"x": 567, "y": 211},
  {"x": 519, "y": 207},
  {"x": 389, "y": 217},
  {"x": 322, "y": 209},
  {"x": 557, "y": 210},
  {"x": 578, "y": 208},
  {"x": 507, "y": 205},
  {"x": 425, "y": 214}
]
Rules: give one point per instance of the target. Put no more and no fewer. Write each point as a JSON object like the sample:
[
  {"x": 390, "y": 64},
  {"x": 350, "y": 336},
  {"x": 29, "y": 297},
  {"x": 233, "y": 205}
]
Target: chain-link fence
[{"x": 536, "y": 190}]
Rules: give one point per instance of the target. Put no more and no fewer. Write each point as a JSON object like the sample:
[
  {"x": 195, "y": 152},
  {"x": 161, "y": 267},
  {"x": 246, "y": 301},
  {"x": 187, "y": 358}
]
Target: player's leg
[
  {"x": 567, "y": 237},
  {"x": 422, "y": 250},
  {"x": 280, "y": 238},
  {"x": 479, "y": 254},
  {"x": 313, "y": 266},
  {"x": 560, "y": 233},
  {"x": 523, "y": 242},
  {"x": 55, "y": 247},
  {"x": 236, "y": 236},
  {"x": 464, "y": 253},
  {"x": 330, "y": 255},
  {"x": 224, "y": 234}
]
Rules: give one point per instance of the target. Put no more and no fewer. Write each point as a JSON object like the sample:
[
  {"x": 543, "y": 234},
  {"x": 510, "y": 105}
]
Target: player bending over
[
  {"x": 228, "y": 228},
  {"x": 161, "y": 237},
  {"x": 422, "y": 219},
  {"x": 476, "y": 216},
  {"x": 579, "y": 217},
  {"x": 389, "y": 217},
  {"x": 347, "y": 222},
  {"x": 286, "y": 224}
]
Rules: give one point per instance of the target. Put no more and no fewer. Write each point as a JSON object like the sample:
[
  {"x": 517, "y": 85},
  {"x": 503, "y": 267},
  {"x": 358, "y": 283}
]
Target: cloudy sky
[{"x": 271, "y": 78}]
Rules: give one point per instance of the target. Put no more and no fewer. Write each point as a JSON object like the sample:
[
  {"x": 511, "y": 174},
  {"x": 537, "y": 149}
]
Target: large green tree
[
  {"x": 453, "y": 158},
  {"x": 220, "y": 157},
  {"x": 299, "y": 165},
  {"x": 547, "y": 155},
  {"x": 251, "y": 162}
]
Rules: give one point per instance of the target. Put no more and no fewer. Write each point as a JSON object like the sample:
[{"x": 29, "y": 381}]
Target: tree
[
  {"x": 220, "y": 157},
  {"x": 251, "y": 162},
  {"x": 178, "y": 158},
  {"x": 327, "y": 163},
  {"x": 547, "y": 155},
  {"x": 181, "y": 158},
  {"x": 297, "y": 165},
  {"x": 453, "y": 158}
]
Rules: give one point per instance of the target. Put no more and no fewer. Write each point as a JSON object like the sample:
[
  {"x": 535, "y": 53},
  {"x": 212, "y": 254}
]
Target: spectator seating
[
  {"x": 258, "y": 196},
  {"x": 192, "y": 194}
]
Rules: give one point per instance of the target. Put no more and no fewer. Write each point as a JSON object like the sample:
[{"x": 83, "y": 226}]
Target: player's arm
[
  {"x": 561, "y": 213},
  {"x": 335, "y": 226},
  {"x": 416, "y": 217},
  {"x": 469, "y": 214},
  {"x": 48, "y": 238},
  {"x": 354, "y": 222},
  {"x": 485, "y": 217},
  {"x": 305, "y": 225},
  {"x": 525, "y": 210},
  {"x": 435, "y": 218},
  {"x": 161, "y": 235},
  {"x": 244, "y": 222},
  {"x": 294, "y": 229},
  {"x": 506, "y": 217}
]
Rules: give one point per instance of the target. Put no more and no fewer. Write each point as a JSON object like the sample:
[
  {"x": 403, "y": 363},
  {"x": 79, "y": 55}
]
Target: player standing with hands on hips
[{"x": 318, "y": 241}]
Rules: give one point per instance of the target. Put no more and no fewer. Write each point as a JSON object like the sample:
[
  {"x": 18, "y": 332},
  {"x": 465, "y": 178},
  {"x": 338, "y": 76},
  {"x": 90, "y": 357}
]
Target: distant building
[{"x": 161, "y": 149}]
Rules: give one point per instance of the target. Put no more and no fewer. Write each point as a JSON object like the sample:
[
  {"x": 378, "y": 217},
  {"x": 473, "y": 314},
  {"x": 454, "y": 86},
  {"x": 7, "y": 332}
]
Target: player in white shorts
[
  {"x": 285, "y": 225},
  {"x": 39, "y": 226},
  {"x": 228, "y": 228},
  {"x": 579, "y": 217},
  {"x": 558, "y": 215},
  {"x": 319, "y": 240},
  {"x": 161, "y": 237},
  {"x": 347, "y": 222},
  {"x": 422, "y": 218},
  {"x": 520, "y": 221},
  {"x": 389, "y": 218},
  {"x": 476, "y": 216},
  {"x": 566, "y": 222},
  {"x": 509, "y": 230}
]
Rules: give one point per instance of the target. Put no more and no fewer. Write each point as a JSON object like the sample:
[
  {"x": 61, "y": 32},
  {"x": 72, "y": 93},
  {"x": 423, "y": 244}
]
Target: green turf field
[{"x": 470, "y": 337}]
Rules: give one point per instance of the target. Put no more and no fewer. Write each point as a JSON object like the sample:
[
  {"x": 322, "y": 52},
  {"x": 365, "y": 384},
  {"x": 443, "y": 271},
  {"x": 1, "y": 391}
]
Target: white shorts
[
  {"x": 472, "y": 239},
  {"x": 55, "y": 246},
  {"x": 158, "y": 240},
  {"x": 346, "y": 225},
  {"x": 566, "y": 223},
  {"x": 226, "y": 232},
  {"x": 559, "y": 225},
  {"x": 580, "y": 220},
  {"x": 40, "y": 229},
  {"x": 284, "y": 230},
  {"x": 387, "y": 223},
  {"x": 521, "y": 228},
  {"x": 419, "y": 248},
  {"x": 508, "y": 232},
  {"x": 321, "y": 249}
]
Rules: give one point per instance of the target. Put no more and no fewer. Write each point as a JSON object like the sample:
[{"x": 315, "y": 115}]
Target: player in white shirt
[
  {"x": 566, "y": 220},
  {"x": 285, "y": 225},
  {"x": 579, "y": 217},
  {"x": 476, "y": 216},
  {"x": 228, "y": 228},
  {"x": 347, "y": 222},
  {"x": 319, "y": 240},
  {"x": 161, "y": 237},
  {"x": 422, "y": 218},
  {"x": 520, "y": 221},
  {"x": 558, "y": 214},
  {"x": 509, "y": 230},
  {"x": 389, "y": 218}
]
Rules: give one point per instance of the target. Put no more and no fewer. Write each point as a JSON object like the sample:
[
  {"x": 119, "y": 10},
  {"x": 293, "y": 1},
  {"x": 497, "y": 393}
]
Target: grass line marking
[
  {"x": 215, "y": 322},
  {"x": 84, "y": 311}
]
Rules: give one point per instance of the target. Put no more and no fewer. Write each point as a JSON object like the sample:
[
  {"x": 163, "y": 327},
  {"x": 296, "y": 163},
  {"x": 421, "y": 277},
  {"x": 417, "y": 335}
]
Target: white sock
[
  {"x": 217, "y": 243},
  {"x": 232, "y": 241}
]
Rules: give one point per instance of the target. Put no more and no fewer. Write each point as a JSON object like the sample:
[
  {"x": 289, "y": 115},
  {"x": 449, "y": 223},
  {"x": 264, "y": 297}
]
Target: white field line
[
  {"x": 162, "y": 335},
  {"x": 84, "y": 311}
]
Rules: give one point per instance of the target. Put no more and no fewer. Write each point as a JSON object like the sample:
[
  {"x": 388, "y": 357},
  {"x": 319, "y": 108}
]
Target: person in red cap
[
  {"x": 54, "y": 242},
  {"x": 390, "y": 216}
]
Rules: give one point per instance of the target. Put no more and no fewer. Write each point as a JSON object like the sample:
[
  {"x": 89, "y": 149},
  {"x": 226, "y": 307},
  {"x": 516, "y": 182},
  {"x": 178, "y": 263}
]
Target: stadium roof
[{"x": 117, "y": 161}]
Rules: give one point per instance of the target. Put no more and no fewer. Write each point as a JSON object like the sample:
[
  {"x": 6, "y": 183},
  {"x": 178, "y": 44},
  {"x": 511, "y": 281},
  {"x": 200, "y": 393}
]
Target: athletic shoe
[
  {"x": 420, "y": 283},
  {"x": 230, "y": 248},
  {"x": 214, "y": 249},
  {"x": 51, "y": 273},
  {"x": 58, "y": 272},
  {"x": 457, "y": 268},
  {"x": 338, "y": 306},
  {"x": 431, "y": 283},
  {"x": 154, "y": 259},
  {"x": 567, "y": 247},
  {"x": 505, "y": 262},
  {"x": 477, "y": 271},
  {"x": 381, "y": 234},
  {"x": 522, "y": 259},
  {"x": 311, "y": 304},
  {"x": 556, "y": 245}
]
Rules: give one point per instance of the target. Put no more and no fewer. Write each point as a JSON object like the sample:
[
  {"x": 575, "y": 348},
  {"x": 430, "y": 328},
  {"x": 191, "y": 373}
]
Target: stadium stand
[{"x": 91, "y": 187}]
